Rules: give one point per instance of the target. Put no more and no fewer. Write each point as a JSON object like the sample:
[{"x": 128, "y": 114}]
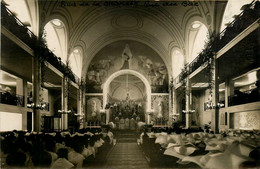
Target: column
[
  {"x": 36, "y": 87},
  {"x": 64, "y": 103},
  {"x": 107, "y": 111},
  {"x": 229, "y": 90},
  {"x": 83, "y": 103},
  {"x": 21, "y": 90},
  {"x": 215, "y": 97},
  {"x": 188, "y": 103},
  {"x": 79, "y": 110}
]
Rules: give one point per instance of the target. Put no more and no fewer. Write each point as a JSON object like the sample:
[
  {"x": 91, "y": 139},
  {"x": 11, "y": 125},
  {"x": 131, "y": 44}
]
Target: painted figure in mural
[
  {"x": 153, "y": 69},
  {"x": 93, "y": 108},
  {"x": 97, "y": 75},
  {"x": 160, "y": 109},
  {"x": 126, "y": 56},
  {"x": 146, "y": 63},
  {"x": 157, "y": 71}
]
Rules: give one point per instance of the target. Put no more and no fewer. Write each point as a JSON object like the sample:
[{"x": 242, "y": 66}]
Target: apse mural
[{"x": 127, "y": 55}]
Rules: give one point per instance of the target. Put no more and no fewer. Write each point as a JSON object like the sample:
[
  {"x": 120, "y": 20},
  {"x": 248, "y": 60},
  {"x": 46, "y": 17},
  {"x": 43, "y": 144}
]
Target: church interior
[{"x": 130, "y": 84}]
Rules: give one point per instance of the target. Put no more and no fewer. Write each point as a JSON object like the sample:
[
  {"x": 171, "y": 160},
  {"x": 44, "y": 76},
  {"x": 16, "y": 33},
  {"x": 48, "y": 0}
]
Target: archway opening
[
  {"x": 177, "y": 62},
  {"x": 125, "y": 74},
  {"x": 198, "y": 36},
  {"x": 56, "y": 38},
  {"x": 75, "y": 61},
  {"x": 127, "y": 94}
]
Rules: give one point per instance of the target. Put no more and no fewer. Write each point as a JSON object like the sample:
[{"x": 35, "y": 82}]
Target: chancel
[{"x": 130, "y": 84}]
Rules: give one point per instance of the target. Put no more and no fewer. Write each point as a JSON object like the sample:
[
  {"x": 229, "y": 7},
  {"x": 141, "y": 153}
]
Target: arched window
[
  {"x": 198, "y": 35},
  {"x": 177, "y": 62},
  {"x": 75, "y": 61},
  {"x": 55, "y": 35},
  {"x": 233, "y": 8},
  {"x": 26, "y": 11}
]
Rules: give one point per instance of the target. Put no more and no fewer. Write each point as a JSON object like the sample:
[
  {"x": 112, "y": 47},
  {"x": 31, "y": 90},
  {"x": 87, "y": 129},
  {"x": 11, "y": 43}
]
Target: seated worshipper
[
  {"x": 16, "y": 160},
  {"x": 89, "y": 152},
  {"x": 50, "y": 148},
  {"x": 59, "y": 142},
  {"x": 24, "y": 147},
  {"x": 62, "y": 161},
  {"x": 42, "y": 159},
  {"x": 89, "y": 149},
  {"x": 75, "y": 156},
  {"x": 111, "y": 136}
]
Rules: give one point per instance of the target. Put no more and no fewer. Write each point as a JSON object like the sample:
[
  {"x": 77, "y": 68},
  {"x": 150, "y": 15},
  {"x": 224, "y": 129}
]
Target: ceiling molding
[{"x": 161, "y": 18}]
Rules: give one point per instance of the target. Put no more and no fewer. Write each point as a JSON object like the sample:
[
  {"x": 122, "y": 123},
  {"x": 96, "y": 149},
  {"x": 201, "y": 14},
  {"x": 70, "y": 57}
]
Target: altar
[{"x": 126, "y": 114}]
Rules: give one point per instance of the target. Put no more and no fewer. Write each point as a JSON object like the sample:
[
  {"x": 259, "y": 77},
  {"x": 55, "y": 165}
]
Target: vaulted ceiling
[{"x": 162, "y": 27}]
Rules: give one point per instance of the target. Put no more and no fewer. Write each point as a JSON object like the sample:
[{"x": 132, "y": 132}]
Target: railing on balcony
[
  {"x": 245, "y": 97},
  {"x": 180, "y": 77},
  {"x": 11, "y": 99},
  {"x": 249, "y": 15},
  {"x": 12, "y": 23}
]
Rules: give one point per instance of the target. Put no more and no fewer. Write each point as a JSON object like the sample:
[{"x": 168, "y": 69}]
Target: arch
[
  {"x": 178, "y": 60},
  {"x": 111, "y": 37},
  {"x": 196, "y": 36},
  {"x": 75, "y": 60},
  {"x": 55, "y": 33},
  {"x": 232, "y": 8},
  {"x": 132, "y": 72}
]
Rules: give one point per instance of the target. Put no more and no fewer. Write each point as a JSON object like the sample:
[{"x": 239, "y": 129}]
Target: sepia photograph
[{"x": 130, "y": 84}]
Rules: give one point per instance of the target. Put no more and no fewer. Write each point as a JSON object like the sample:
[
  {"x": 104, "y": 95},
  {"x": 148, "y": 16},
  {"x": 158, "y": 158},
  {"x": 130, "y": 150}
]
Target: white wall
[{"x": 10, "y": 121}]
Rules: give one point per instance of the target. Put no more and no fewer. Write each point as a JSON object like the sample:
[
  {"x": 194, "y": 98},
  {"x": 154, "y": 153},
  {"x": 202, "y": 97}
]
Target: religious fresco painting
[{"x": 130, "y": 55}]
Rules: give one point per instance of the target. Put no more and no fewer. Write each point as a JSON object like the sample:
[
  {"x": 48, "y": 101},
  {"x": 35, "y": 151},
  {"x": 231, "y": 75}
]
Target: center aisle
[{"x": 126, "y": 156}]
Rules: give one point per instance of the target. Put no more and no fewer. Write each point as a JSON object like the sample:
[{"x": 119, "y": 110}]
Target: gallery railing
[
  {"x": 248, "y": 16},
  {"x": 11, "y": 99},
  {"x": 245, "y": 97},
  {"x": 13, "y": 24}
]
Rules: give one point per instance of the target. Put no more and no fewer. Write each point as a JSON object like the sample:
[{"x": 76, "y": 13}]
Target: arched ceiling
[{"x": 93, "y": 27}]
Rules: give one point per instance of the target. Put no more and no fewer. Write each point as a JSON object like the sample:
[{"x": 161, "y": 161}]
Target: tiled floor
[{"x": 126, "y": 156}]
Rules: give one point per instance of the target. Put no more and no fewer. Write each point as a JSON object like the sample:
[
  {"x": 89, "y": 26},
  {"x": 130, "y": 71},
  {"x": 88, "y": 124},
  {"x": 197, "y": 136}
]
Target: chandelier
[{"x": 127, "y": 89}]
